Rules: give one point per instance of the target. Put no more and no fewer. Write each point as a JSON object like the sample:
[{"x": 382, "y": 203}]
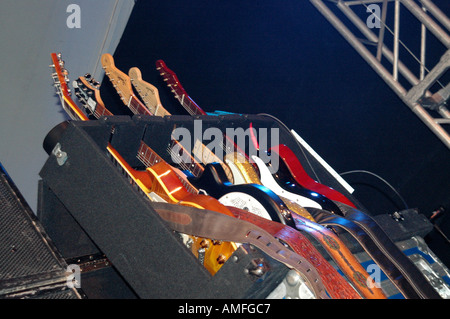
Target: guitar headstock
[
  {"x": 60, "y": 77},
  {"x": 86, "y": 88},
  {"x": 177, "y": 89},
  {"x": 170, "y": 78},
  {"x": 147, "y": 92},
  {"x": 119, "y": 80}
]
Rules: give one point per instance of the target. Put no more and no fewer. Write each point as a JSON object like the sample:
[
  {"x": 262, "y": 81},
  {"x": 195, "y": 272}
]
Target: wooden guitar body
[{"x": 168, "y": 186}]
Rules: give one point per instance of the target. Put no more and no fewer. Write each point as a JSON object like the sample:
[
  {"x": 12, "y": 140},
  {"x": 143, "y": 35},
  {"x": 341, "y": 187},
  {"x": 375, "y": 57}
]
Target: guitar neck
[
  {"x": 189, "y": 105},
  {"x": 147, "y": 92},
  {"x": 150, "y": 158},
  {"x": 184, "y": 159},
  {"x": 136, "y": 106}
]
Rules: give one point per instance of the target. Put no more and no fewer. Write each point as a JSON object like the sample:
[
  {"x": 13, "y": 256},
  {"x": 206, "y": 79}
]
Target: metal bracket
[{"x": 61, "y": 157}]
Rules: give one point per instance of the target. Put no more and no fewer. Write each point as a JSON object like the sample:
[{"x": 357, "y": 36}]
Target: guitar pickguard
[
  {"x": 245, "y": 202},
  {"x": 268, "y": 181}
]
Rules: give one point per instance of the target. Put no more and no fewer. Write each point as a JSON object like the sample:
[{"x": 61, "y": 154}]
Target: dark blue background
[{"x": 284, "y": 58}]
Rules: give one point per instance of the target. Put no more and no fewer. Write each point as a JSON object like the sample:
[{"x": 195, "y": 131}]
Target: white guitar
[{"x": 268, "y": 180}]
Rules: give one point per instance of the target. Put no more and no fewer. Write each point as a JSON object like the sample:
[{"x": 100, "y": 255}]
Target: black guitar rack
[{"x": 100, "y": 221}]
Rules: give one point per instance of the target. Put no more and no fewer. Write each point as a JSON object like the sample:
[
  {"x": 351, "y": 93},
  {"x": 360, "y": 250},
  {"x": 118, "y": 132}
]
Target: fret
[
  {"x": 192, "y": 107},
  {"x": 137, "y": 107},
  {"x": 148, "y": 156},
  {"x": 185, "y": 159}
]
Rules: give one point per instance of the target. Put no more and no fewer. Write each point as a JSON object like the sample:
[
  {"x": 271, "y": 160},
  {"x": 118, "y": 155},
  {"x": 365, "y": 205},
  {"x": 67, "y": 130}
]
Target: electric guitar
[
  {"x": 301, "y": 195},
  {"x": 299, "y": 174},
  {"x": 158, "y": 182}
]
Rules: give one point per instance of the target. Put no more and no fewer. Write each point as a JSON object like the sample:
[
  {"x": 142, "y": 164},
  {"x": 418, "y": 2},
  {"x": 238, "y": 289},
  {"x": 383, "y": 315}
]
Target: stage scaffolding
[{"x": 402, "y": 59}]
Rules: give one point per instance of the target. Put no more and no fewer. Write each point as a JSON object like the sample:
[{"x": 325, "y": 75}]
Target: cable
[
  {"x": 382, "y": 179},
  {"x": 300, "y": 146}
]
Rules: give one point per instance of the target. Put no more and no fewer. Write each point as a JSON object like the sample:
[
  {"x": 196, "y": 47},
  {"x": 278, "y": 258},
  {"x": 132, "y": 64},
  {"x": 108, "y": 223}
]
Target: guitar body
[
  {"x": 166, "y": 184},
  {"x": 299, "y": 174},
  {"x": 282, "y": 184},
  {"x": 255, "y": 198}
]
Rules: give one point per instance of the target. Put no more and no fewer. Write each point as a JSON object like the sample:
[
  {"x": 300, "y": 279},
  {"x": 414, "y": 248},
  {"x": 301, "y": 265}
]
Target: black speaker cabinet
[{"x": 30, "y": 265}]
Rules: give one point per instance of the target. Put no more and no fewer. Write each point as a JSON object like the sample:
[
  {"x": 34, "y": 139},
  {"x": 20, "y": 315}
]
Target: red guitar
[
  {"x": 283, "y": 151},
  {"x": 177, "y": 89}
]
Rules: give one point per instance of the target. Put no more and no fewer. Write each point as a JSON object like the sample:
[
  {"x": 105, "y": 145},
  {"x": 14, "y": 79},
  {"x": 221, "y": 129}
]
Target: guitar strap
[
  {"x": 336, "y": 285},
  {"x": 343, "y": 257},
  {"x": 402, "y": 272},
  {"x": 405, "y": 265},
  {"x": 211, "y": 224}
]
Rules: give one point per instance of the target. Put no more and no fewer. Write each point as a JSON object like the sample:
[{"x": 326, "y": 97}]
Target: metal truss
[{"x": 417, "y": 75}]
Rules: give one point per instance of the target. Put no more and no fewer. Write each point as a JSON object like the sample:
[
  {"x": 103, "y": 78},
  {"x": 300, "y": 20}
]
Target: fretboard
[
  {"x": 136, "y": 106},
  {"x": 149, "y": 158},
  {"x": 189, "y": 104},
  {"x": 184, "y": 159}
]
